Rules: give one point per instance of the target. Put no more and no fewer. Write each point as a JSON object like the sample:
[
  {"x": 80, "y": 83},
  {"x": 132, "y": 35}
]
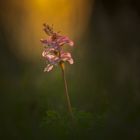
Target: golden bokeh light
[{"x": 68, "y": 16}]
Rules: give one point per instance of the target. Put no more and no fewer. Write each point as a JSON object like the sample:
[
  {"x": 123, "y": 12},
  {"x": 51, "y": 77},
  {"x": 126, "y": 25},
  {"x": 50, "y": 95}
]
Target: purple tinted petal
[
  {"x": 47, "y": 51},
  {"x": 52, "y": 59}
]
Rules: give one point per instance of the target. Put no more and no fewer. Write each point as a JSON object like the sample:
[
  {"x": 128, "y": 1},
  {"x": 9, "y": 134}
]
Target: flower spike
[{"x": 53, "y": 51}]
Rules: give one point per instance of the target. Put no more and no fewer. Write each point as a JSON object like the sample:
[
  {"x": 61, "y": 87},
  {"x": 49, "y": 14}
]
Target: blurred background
[{"x": 104, "y": 80}]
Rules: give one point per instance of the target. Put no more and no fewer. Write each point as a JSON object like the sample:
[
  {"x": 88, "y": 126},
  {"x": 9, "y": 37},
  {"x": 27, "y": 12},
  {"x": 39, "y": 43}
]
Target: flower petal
[
  {"x": 47, "y": 42},
  {"x": 70, "y": 61},
  {"x": 52, "y": 58},
  {"x": 66, "y": 56},
  {"x": 62, "y": 40},
  {"x": 71, "y": 43},
  {"x": 48, "y": 51},
  {"x": 48, "y": 68}
]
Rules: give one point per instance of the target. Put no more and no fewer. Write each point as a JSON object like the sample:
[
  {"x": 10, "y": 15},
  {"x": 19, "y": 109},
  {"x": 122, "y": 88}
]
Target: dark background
[{"x": 105, "y": 80}]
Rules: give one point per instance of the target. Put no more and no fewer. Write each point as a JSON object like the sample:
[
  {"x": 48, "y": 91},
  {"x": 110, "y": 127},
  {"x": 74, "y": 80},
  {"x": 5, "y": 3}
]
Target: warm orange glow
[{"x": 68, "y": 16}]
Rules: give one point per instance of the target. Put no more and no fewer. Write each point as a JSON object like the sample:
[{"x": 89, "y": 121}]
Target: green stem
[{"x": 66, "y": 90}]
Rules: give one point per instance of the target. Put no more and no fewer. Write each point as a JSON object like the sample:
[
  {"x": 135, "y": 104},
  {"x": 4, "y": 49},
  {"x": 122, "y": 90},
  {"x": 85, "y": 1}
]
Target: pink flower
[
  {"x": 62, "y": 40},
  {"x": 53, "y": 52},
  {"x": 66, "y": 56},
  {"x": 54, "y": 60},
  {"x": 56, "y": 41}
]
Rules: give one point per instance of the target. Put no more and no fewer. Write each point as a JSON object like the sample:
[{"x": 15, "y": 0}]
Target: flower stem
[{"x": 66, "y": 90}]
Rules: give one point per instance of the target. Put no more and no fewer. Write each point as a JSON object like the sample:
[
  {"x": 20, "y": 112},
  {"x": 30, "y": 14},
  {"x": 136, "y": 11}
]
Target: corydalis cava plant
[{"x": 55, "y": 55}]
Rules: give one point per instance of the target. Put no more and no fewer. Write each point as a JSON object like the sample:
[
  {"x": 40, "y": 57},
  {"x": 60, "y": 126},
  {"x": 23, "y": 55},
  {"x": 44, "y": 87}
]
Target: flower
[
  {"x": 56, "y": 40},
  {"x": 53, "y": 51}
]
